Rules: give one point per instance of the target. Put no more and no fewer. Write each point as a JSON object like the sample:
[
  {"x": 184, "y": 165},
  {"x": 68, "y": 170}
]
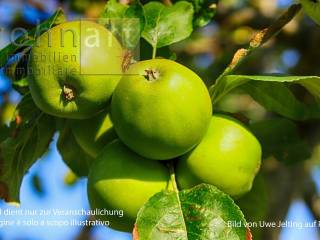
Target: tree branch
[
  {"x": 283, "y": 184},
  {"x": 167, "y": 2},
  {"x": 259, "y": 39},
  {"x": 85, "y": 233},
  {"x": 312, "y": 199}
]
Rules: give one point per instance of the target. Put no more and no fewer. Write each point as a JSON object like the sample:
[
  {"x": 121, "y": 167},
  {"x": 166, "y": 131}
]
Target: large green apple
[
  {"x": 312, "y": 8},
  {"x": 95, "y": 133},
  {"x": 72, "y": 154},
  {"x": 122, "y": 180},
  {"x": 228, "y": 157},
  {"x": 74, "y": 68},
  {"x": 161, "y": 109}
]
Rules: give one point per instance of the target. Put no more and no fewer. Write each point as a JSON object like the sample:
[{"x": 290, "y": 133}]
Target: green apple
[
  {"x": 72, "y": 154},
  {"x": 312, "y": 8},
  {"x": 95, "y": 133},
  {"x": 74, "y": 68},
  {"x": 228, "y": 157},
  {"x": 122, "y": 180},
  {"x": 161, "y": 109}
]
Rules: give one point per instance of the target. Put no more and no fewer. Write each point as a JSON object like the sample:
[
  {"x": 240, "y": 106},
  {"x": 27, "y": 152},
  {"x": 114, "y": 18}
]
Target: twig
[
  {"x": 283, "y": 185},
  {"x": 312, "y": 198},
  {"x": 167, "y": 2},
  {"x": 85, "y": 233},
  {"x": 258, "y": 40}
]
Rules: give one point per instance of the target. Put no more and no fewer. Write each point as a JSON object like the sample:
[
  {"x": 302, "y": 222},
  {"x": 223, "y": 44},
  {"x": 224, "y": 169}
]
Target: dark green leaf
[
  {"x": 204, "y": 11},
  {"x": 18, "y": 72},
  {"x": 27, "y": 40},
  {"x": 270, "y": 92},
  {"x": 167, "y": 24},
  {"x": 31, "y": 133},
  {"x": 113, "y": 9},
  {"x": 230, "y": 82},
  {"x": 312, "y": 9},
  {"x": 208, "y": 213},
  {"x": 133, "y": 25},
  {"x": 162, "y": 218},
  {"x": 280, "y": 138},
  {"x": 21, "y": 85},
  {"x": 4, "y": 132},
  {"x": 125, "y": 21},
  {"x": 203, "y": 212},
  {"x": 135, "y": 10},
  {"x": 277, "y": 97}
]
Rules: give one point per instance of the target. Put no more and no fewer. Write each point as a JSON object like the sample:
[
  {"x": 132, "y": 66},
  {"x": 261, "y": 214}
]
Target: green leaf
[
  {"x": 280, "y": 138},
  {"x": 277, "y": 97},
  {"x": 133, "y": 25},
  {"x": 126, "y": 22},
  {"x": 161, "y": 218},
  {"x": 272, "y": 93},
  {"x": 18, "y": 72},
  {"x": 21, "y": 85},
  {"x": 31, "y": 133},
  {"x": 167, "y": 24},
  {"x": 27, "y": 40},
  {"x": 230, "y": 82},
  {"x": 312, "y": 8},
  {"x": 313, "y": 86},
  {"x": 113, "y": 9},
  {"x": 204, "y": 11},
  {"x": 135, "y": 10},
  {"x": 203, "y": 212}
]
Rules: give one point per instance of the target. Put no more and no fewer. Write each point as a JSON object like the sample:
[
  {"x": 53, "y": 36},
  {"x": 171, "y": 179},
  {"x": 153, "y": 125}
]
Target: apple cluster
[{"x": 122, "y": 128}]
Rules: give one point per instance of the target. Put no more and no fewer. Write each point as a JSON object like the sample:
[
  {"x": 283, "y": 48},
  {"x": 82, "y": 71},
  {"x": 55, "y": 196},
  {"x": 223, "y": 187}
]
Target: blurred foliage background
[{"x": 285, "y": 190}]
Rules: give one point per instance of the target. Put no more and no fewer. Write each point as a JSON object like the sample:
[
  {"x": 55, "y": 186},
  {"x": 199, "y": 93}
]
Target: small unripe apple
[
  {"x": 95, "y": 133},
  {"x": 161, "y": 109},
  {"x": 74, "y": 68},
  {"x": 72, "y": 154},
  {"x": 122, "y": 180},
  {"x": 228, "y": 157}
]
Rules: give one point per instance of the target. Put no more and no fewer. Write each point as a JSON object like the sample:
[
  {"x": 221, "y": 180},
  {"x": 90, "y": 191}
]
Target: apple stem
[
  {"x": 151, "y": 74},
  {"x": 173, "y": 177},
  {"x": 154, "y": 52},
  {"x": 68, "y": 92}
]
